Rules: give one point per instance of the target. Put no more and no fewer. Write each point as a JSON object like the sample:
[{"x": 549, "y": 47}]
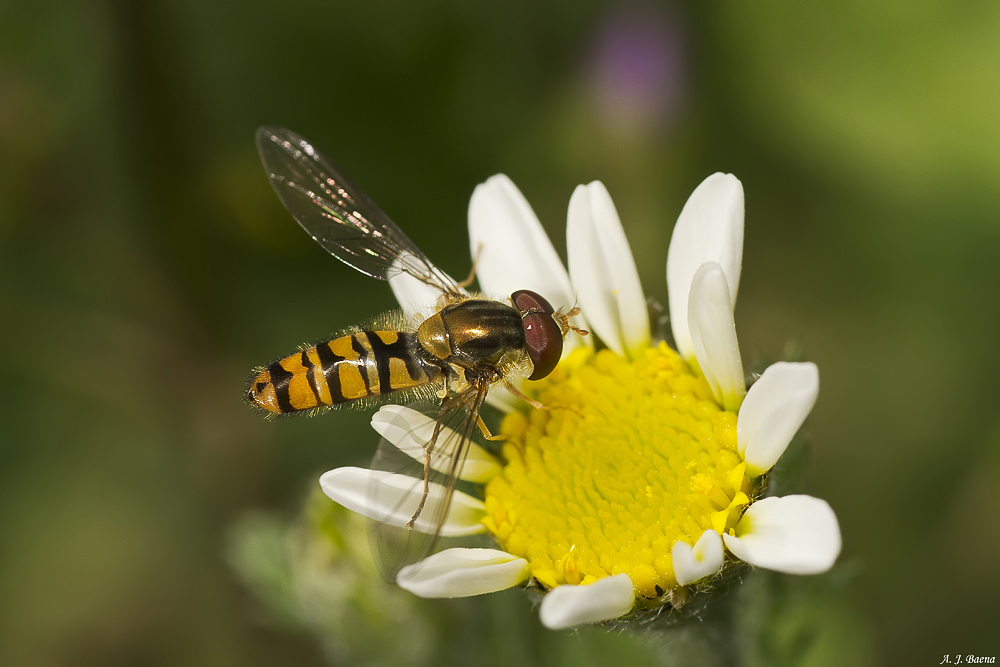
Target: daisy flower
[{"x": 651, "y": 480}]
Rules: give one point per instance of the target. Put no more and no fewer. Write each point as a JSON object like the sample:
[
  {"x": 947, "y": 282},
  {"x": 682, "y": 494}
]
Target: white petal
[
  {"x": 396, "y": 499},
  {"x": 459, "y": 573},
  {"x": 772, "y": 412},
  {"x": 514, "y": 253},
  {"x": 709, "y": 229},
  {"x": 713, "y": 335},
  {"x": 410, "y": 431},
  {"x": 793, "y": 534},
  {"x": 511, "y": 247},
  {"x": 605, "y": 599},
  {"x": 603, "y": 271},
  {"x": 417, "y": 299},
  {"x": 702, "y": 560}
]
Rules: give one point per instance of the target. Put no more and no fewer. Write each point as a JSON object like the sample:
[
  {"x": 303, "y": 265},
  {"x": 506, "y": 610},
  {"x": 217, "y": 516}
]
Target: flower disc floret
[{"x": 630, "y": 458}]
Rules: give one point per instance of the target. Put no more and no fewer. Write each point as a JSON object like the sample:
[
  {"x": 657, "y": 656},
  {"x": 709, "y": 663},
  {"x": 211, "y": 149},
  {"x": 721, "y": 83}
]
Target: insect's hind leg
[
  {"x": 428, "y": 450},
  {"x": 427, "y": 487}
]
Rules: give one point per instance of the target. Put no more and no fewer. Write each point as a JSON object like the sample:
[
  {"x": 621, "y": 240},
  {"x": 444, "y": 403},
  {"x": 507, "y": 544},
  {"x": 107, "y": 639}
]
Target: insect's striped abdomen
[{"x": 367, "y": 363}]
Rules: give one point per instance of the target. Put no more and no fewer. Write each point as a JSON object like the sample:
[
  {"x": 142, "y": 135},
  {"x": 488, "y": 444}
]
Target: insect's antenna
[{"x": 563, "y": 320}]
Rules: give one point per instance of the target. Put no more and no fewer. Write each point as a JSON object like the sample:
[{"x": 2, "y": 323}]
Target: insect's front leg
[
  {"x": 509, "y": 386},
  {"x": 535, "y": 404}
]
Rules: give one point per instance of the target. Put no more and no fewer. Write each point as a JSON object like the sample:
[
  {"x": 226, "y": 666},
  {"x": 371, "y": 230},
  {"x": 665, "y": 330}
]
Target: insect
[{"x": 469, "y": 344}]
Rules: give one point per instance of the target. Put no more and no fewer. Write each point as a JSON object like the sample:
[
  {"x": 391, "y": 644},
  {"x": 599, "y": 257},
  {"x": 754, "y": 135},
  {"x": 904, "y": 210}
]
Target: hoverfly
[{"x": 467, "y": 345}]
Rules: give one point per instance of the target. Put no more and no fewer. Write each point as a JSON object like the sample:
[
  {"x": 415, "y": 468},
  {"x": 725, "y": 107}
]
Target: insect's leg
[
  {"x": 472, "y": 273},
  {"x": 486, "y": 432},
  {"x": 535, "y": 404},
  {"x": 563, "y": 319},
  {"x": 520, "y": 394},
  {"x": 428, "y": 450},
  {"x": 423, "y": 496}
]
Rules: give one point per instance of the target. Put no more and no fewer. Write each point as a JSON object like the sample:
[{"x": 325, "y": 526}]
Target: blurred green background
[{"x": 146, "y": 266}]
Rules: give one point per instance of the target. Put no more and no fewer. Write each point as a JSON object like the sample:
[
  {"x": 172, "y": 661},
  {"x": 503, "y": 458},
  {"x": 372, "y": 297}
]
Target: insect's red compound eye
[
  {"x": 528, "y": 301},
  {"x": 542, "y": 335}
]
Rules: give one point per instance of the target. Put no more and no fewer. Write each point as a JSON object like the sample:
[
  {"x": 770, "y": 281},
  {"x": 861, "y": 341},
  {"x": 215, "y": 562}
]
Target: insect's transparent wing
[
  {"x": 338, "y": 215},
  {"x": 398, "y": 494}
]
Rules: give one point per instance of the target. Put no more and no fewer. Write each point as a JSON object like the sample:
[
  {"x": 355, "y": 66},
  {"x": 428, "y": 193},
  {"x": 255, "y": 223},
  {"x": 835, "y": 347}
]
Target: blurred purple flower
[{"x": 637, "y": 67}]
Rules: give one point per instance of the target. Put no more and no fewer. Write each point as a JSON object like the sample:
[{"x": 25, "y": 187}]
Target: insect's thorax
[{"x": 477, "y": 334}]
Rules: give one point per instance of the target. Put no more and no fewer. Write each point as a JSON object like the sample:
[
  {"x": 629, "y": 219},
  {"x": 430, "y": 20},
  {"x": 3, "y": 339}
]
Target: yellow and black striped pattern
[{"x": 367, "y": 363}]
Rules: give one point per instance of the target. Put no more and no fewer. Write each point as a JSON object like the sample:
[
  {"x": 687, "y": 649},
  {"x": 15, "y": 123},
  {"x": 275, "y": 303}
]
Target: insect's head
[{"x": 544, "y": 329}]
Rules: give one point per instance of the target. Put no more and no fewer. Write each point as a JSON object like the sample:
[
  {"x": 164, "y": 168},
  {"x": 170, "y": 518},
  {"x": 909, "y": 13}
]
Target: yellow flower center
[{"x": 631, "y": 457}]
